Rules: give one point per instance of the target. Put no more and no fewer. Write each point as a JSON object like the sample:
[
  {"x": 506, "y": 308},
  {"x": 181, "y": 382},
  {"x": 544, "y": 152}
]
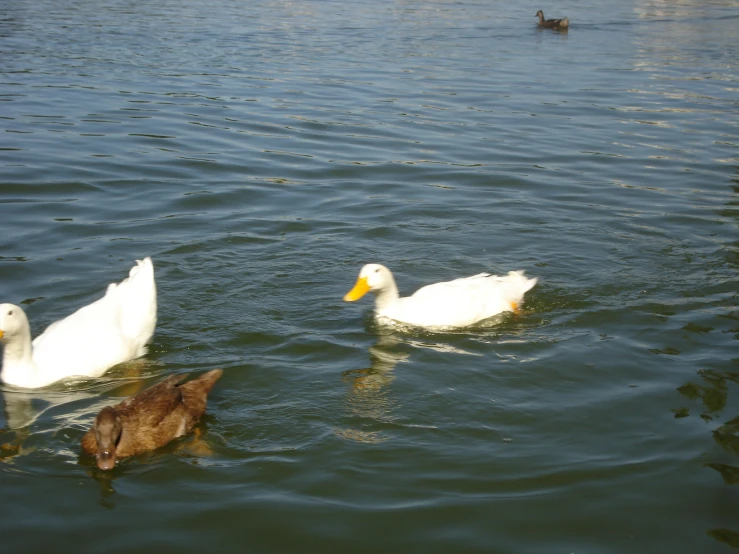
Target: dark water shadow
[{"x": 715, "y": 388}]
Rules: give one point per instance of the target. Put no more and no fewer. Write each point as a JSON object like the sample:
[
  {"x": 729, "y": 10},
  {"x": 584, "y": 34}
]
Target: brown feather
[
  {"x": 561, "y": 24},
  {"x": 155, "y": 416}
]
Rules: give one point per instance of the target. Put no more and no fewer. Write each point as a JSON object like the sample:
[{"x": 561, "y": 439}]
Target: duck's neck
[
  {"x": 541, "y": 17},
  {"x": 19, "y": 368},
  {"x": 387, "y": 296}
]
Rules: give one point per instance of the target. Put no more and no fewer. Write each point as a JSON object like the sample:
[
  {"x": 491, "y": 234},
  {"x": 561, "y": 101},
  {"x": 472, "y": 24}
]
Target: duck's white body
[
  {"x": 87, "y": 343},
  {"x": 457, "y": 303}
]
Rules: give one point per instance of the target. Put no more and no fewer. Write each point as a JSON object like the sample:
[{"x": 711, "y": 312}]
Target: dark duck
[
  {"x": 552, "y": 23},
  {"x": 150, "y": 419}
]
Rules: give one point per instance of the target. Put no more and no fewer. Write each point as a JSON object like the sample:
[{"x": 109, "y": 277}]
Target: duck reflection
[
  {"x": 24, "y": 407},
  {"x": 104, "y": 479},
  {"x": 369, "y": 401},
  {"x": 19, "y": 414},
  {"x": 384, "y": 356}
]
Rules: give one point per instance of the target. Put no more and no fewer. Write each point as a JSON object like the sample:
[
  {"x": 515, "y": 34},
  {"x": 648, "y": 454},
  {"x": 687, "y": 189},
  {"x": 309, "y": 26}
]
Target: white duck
[
  {"x": 457, "y": 303},
  {"x": 111, "y": 330}
]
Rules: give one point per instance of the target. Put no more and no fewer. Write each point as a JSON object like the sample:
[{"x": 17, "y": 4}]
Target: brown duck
[
  {"x": 150, "y": 419},
  {"x": 552, "y": 23}
]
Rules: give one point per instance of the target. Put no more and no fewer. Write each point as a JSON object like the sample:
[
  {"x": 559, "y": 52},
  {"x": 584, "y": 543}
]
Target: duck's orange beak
[
  {"x": 360, "y": 289},
  {"x": 1, "y": 333}
]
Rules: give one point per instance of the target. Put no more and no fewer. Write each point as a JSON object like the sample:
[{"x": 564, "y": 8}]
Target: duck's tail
[
  {"x": 195, "y": 392},
  {"x": 516, "y": 285},
  {"x": 137, "y": 298},
  {"x": 205, "y": 382},
  {"x": 520, "y": 284}
]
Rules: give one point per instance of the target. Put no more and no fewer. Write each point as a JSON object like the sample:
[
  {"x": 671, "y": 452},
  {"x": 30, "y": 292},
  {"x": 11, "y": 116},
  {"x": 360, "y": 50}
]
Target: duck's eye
[
  {"x": 10, "y": 312},
  {"x": 377, "y": 270}
]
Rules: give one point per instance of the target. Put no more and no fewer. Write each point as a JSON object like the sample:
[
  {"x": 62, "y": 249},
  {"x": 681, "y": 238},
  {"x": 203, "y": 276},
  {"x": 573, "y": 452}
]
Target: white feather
[
  {"x": 111, "y": 330},
  {"x": 457, "y": 303}
]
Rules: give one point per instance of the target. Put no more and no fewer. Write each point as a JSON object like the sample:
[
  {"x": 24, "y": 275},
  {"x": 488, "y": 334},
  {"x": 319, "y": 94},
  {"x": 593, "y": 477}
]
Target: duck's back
[
  {"x": 111, "y": 330},
  {"x": 195, "y": 392},
  {"x": 161, "y": 413},
  {"x": 464, "y": 301}
]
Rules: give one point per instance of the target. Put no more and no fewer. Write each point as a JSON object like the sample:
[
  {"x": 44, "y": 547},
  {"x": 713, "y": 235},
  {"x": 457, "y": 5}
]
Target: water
[{"x": 261, "y": 152}]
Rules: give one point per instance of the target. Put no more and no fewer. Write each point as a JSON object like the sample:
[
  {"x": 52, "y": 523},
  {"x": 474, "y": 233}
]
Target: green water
[{"x": 262, "y": 152}]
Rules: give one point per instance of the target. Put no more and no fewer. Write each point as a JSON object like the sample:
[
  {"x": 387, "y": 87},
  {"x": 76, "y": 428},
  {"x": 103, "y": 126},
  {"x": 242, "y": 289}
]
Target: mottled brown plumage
[
  {"x": 150, "y": 419},
  {"x": 552, "y": 23}
]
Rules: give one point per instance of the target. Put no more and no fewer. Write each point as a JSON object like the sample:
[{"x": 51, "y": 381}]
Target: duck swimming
[
  {"x": 552, "y": 23},
  {"x": 150, "y": 419},
  {"x": 457, "y": 303},
  {"x": 111, "y": 330}
]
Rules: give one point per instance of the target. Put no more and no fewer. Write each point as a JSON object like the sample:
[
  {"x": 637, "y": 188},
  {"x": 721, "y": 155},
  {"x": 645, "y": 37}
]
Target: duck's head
[
  {"x": 540, "y": 14},
  {"x": 13, "y": 321},
  {"x": 108, "y": 429},
  {"x": 372, "y": 277}
]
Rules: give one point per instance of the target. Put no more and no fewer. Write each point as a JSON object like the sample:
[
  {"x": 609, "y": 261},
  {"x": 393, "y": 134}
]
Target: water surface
[{"x": 261, "y": 152}]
